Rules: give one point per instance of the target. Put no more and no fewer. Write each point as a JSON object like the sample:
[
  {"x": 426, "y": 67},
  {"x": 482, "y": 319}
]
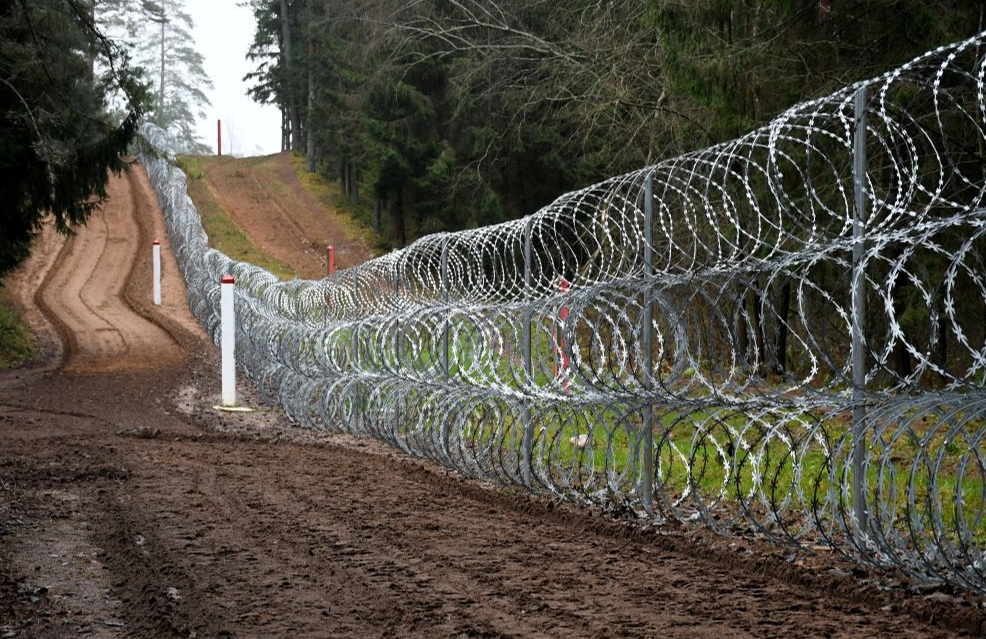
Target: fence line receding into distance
[{"x": 784, "y": 333}]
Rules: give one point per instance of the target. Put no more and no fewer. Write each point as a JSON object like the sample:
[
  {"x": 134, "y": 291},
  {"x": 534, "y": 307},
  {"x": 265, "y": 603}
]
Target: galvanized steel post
[
  {"x": 859, "y": 311},
  {"x": 358, "y": 397},
  {"x": 448, "y": 307},
  {"x": 647, "y": 361},
  {"x": 527, "y": 445}
]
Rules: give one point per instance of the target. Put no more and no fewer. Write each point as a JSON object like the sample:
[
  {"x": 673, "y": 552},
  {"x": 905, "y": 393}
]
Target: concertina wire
[{"x": 737, "y": 337}]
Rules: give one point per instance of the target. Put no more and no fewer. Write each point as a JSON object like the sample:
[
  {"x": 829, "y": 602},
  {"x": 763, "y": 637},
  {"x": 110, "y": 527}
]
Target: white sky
[{"x": 223, "y": 33}]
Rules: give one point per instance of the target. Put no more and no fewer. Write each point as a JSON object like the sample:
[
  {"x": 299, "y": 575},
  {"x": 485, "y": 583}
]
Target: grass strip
[
  {"x": 17, "y": 344},
  {"x": 224, "y": 233}
]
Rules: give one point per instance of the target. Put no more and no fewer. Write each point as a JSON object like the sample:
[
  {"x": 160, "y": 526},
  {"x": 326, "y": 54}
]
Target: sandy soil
[
  {"x": 129, "y": 508},
  {"x": 280, "y": 216},
  {"x": 82, "y": 293}
]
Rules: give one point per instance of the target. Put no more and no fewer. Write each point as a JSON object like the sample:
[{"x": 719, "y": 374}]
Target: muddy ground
[{"x": 130, "y": 508}]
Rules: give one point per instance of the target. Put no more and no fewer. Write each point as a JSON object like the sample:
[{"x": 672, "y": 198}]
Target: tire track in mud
[
  {"x": 316, "y": 540},
  {"x": 83, "y": 294}
]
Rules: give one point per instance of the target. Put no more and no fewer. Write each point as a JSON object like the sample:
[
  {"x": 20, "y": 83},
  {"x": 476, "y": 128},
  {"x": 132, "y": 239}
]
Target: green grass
[
  {"x": 224, "y": 233},
  {"x": 357, "y": 219},
  {"x": 17, "y": 344}
]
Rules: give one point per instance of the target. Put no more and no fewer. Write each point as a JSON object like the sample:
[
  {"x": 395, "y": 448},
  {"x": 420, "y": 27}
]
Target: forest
[{"x": 455, "y": 114}]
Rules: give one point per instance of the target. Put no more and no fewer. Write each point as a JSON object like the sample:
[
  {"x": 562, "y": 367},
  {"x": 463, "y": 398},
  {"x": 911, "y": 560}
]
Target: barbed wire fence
[{"x": 785, "y": 333}]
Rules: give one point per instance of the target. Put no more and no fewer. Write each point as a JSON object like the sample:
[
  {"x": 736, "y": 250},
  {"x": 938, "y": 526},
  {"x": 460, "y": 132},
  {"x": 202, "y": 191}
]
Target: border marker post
[
  {"x": 156, "y": 250},
  {"x": 227, "y": 340}
]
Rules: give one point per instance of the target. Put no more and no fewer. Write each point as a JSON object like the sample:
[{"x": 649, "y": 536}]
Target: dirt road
[
  {"x": 129, "y": 508},
  {"x": 281, "y": 217}
]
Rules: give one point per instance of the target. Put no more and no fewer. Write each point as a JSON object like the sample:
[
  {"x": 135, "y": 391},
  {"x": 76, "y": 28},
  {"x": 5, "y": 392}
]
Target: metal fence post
[
  {"x": 358, "y": 396},
  {"x": 330, "y": 269},
  {"x": 527, "y": 445},
  {"x": 396, "y": 284},
  {"x": 859, "y": 310},
  {"x": 448, "y": 308},
  {"x": 647, "y": 446}
]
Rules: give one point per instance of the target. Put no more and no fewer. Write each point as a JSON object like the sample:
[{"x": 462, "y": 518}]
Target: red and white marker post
[
  {"x": 157, "y": 272},
  {"x": 227, "y": 340},
  {"x": 330, "y": 260}
]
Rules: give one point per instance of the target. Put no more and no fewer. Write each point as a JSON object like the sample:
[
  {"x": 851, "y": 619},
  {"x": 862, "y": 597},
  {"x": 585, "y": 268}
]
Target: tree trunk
[
  {"x": 742, "y": 340},
  {"x": 91, "y": 54},
  {"x": 398, "y": 233},
  {"x": 160, "y": 95},
  {"x": 285, "y": 131},
  {"x": 287, "y": 59},
  {"x": 309, "y": 129},
  {"x": 353, "y": 183},
  {"x": 939, "y": 348},
  {"x": 755, "y": 298}
]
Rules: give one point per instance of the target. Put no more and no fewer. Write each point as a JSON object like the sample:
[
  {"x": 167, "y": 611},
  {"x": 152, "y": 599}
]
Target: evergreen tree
[
  {"x": 59, "y": 137},
  {"x": 159, "y": 34},
  {"x": 464, "y": 113}
]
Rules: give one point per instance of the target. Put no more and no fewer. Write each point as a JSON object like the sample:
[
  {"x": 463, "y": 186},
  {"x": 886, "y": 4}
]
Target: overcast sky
[{"x": 223, "y": 33}]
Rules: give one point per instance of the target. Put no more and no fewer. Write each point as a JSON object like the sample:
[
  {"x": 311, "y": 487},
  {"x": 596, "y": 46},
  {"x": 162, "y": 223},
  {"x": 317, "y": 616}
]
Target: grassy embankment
[
  {"x": 224, "y": 233},
  {"x": 17, "y": 344},
  {"x": 357, "y": 219},
  {"x": 227, "y": 236}
]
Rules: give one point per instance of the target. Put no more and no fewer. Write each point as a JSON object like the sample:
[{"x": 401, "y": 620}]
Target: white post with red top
[
  {"x": 157, "y": 273},
  {"x": 227, "y": 340}
]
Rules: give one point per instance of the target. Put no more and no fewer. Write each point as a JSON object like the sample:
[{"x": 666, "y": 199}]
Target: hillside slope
[{"x": 268, "y": 211}]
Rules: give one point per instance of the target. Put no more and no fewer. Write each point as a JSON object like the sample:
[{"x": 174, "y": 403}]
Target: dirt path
[
  {"x": 83, "y": 292},
  {"x": 264, "y": 196},
  {"x": 129, "y": 508}
]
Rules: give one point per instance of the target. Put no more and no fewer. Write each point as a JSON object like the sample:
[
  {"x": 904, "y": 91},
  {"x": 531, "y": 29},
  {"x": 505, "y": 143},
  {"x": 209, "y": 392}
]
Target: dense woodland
[
  {"x": 451, "y": 114},
  {"x": 70, "y": 104},
  {"x": 157, "y": 34}
]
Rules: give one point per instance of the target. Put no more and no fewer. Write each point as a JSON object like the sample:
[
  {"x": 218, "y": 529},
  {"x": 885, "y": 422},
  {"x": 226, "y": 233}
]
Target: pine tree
[
  {"x": 159, "y": 34},
  {"x": 59, "y": 136}
]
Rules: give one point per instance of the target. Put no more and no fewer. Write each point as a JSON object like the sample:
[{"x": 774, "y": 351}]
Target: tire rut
[
  {"x": 368, "y": 547},
  {"x": 83, "y": 293}
]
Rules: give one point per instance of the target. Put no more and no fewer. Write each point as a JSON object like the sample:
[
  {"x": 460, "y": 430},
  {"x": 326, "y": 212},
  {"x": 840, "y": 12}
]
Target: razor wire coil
[{"x": 678, "y": 341}]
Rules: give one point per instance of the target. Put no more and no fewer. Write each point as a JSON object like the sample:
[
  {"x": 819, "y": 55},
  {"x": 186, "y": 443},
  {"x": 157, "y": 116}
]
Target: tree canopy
[
  {"x": 70, "y": 104},
  {"x": 460, "y": 113},
  {"x": 158, "y": 35}
]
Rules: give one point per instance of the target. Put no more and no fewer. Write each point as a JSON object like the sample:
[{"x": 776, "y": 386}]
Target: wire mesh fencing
[{"x": 785, "y": 333}]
